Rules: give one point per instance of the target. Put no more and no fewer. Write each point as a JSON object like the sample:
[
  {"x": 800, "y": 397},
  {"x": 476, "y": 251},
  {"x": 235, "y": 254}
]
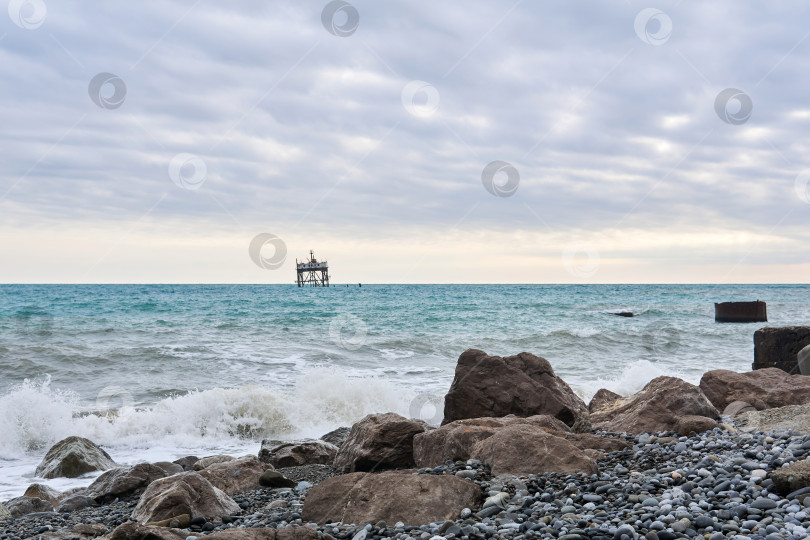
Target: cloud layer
[{"x": 363, "y": 130}]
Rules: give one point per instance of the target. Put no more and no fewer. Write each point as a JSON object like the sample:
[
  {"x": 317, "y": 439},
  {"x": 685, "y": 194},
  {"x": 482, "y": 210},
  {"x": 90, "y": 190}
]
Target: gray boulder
[
  {"x": 21, "y": 506},
  {"x": 184, "y": 493},
  {"x": 337, "y": 436},
  {"x": 295, "y": 453},
  {"x": 74, "y": 502},
  {"x": 73, "y": 457},
  {"x": 124, "y": 482},
  {"x": 4, "y": 513}
]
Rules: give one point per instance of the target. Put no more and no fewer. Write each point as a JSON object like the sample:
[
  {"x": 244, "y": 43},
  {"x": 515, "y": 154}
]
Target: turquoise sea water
[{"x": 175, "y": 368}]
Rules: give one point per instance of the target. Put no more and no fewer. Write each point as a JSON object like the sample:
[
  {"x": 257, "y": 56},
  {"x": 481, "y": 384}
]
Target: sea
[{"x": 158, "y": 372}]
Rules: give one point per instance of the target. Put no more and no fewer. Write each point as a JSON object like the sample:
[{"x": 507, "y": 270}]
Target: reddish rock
[
  {"x": 379, "y": 441},
  {"x": 361, "y": 498},
  {"x": 455, "y": 440},
  {"x": 281, "y": 454},
  {"x": 763, "y": 388},
  {"x": 523, "y": 449},
  {"x": 236, "y": 475},
  {"x": 656, "y": 408},
  {"x": 603, "y": 398},
  {"x": 697, "y": 424},
  {"x": 523, "y": 385}
]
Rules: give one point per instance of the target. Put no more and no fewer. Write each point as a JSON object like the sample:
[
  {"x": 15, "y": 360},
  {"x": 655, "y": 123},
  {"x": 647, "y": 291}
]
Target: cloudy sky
[{"x": 499, "y": 141}]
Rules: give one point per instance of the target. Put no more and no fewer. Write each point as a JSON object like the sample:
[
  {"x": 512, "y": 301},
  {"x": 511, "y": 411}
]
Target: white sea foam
[
  {"x": 34, "y": 415},
  {"x": 632, "y": 378}
]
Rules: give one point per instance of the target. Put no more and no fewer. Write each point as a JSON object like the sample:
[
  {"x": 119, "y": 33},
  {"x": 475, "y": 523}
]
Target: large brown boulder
[
  {"x": 123, "y": 482},
  {"x": 763, "y": 388},
  {"x": 379, "y": 441},
  {"x": 74, "y": 457},
  {"x": 135, "y": 531},
  {"x": 523, "y": 385},
  {"x": 526, "y": 449},
  {"x": 391, "y": 497},
  {"x": 281, "y": 454},
  {"x": 184, "y": 493},
  {"x": 455, "y": 440},
  {"x": 656, "y": 408},
  {"x": 235, "y": 475}
]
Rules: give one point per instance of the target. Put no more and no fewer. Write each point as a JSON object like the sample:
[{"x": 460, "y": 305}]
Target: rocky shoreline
[{"x": 536, "y": 464}]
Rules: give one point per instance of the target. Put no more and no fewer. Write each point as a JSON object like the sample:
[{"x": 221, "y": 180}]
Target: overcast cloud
[{"x": 627, "y": 172}]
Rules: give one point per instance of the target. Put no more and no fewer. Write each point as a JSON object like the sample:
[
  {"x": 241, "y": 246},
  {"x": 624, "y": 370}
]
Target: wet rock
[
  {"x": 187, "y": 462},
  {"x": 205, "y": 462},
  {"x": 523, "y": 385},
  {"x": 123, "y": 482},
  {"x": 379, "y": 441},
  {"x": 337, "y": 436},
  {"x": 295, "y": 453},
  {"x": 169, "y": 468},
  {"x": 658, "y": 407},
  {"x": 390, "y": 497},
  {"x": 235, "y": 475},
  {"x": 184, "y": 493},
  {"x": 74, "y": 457},
  {"x": 274, "y": 479}
]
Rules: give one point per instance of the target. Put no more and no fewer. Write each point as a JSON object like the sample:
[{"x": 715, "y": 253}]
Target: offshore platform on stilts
[{"x": 312, "y": 272}]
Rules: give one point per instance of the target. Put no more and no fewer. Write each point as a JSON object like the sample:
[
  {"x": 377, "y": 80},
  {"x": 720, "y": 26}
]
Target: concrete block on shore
[{"x": 779, "y": 347}]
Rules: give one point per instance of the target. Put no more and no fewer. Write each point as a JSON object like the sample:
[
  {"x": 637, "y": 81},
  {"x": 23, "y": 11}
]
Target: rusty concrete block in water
[{"x": 738, "y": 312}]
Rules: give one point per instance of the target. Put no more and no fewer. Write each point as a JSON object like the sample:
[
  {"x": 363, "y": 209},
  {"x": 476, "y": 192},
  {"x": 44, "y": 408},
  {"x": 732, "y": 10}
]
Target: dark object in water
[
  {"x": 738, "y": 312},
  {"x": 624, "y": 314}
]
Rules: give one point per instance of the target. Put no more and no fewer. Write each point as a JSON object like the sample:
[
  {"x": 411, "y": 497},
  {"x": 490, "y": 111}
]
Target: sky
[{"x": 466, "y": 142}]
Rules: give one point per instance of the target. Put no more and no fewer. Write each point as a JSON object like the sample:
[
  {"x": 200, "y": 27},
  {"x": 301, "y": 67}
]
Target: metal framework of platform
[{"x": 312, "y": 273}]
